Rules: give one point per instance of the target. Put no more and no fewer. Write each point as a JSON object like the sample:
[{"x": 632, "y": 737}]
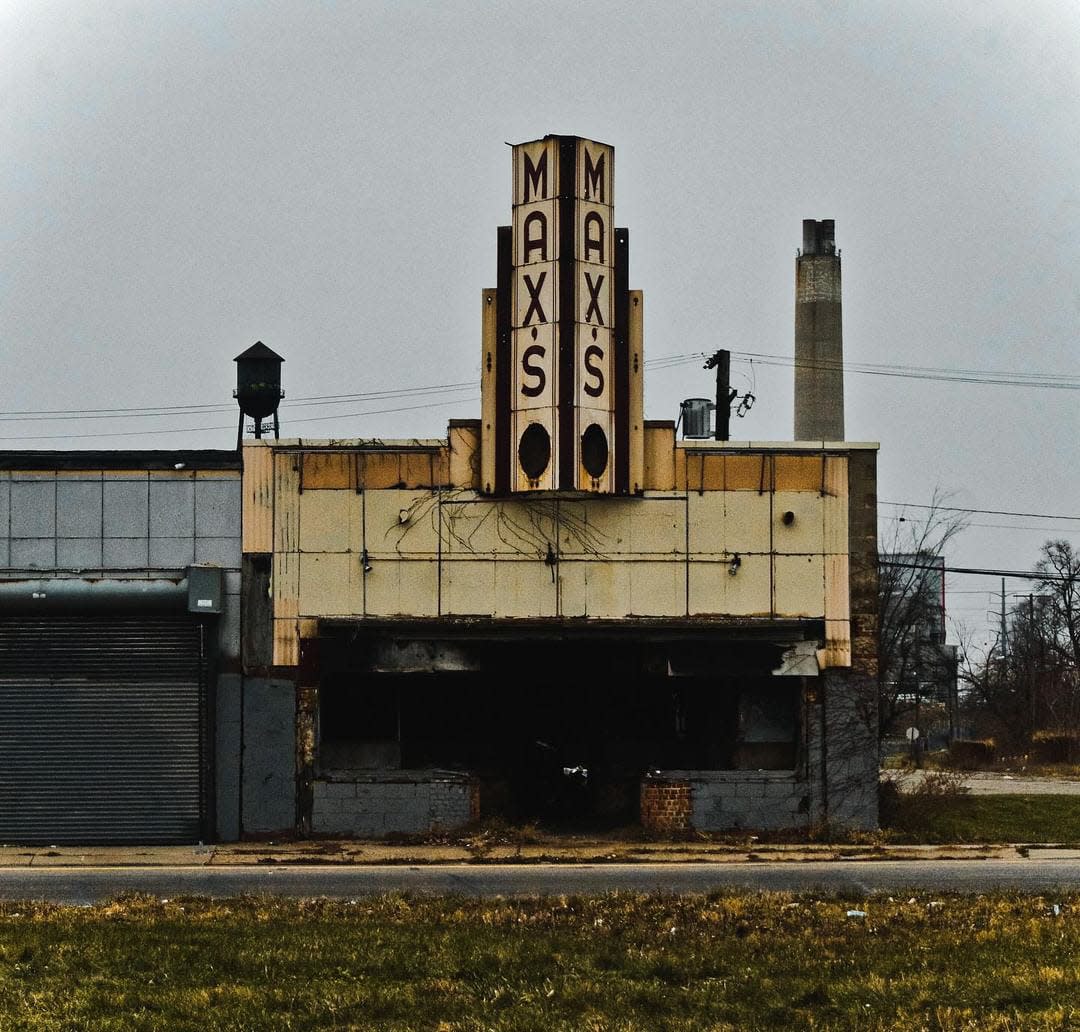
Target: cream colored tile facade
[{"x": 751, "y": 531}]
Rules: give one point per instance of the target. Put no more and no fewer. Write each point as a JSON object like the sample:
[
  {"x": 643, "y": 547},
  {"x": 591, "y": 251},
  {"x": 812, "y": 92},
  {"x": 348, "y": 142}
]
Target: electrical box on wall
[{"x": 204, "y": 589}]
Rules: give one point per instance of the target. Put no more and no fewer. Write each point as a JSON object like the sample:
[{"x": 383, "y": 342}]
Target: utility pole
[
  {"x": 1004, "y": 639},
  {"x": 721, "y": 362}
]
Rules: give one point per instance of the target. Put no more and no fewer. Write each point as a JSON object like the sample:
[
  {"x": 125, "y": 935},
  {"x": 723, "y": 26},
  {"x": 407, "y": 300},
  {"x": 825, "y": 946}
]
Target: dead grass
[{"x": 619, "y": 962}]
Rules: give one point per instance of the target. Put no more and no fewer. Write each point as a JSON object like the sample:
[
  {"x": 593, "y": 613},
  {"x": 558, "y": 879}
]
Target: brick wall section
[
  {"x": 665, "y": 805},
  {"x": 405, "y": 806}
]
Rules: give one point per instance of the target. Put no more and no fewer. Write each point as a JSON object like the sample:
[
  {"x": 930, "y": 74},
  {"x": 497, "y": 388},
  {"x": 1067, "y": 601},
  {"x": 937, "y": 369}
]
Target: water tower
[{"x": 258, "y": 387}]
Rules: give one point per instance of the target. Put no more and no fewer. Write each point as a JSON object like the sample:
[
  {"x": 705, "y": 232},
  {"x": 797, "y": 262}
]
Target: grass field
[
  {"x": 967, "y": 818},
  {"x": 620, "y": 962}
]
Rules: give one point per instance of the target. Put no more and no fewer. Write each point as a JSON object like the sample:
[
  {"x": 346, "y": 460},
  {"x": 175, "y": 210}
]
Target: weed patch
[{"x": 619, "y": 962}]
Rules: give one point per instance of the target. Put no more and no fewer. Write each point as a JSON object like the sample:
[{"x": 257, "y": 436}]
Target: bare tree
[
  {"x": 1060, "y": 564},
  {"x": 912, "y": 654},
  {"x": 1031, "y": 681}
]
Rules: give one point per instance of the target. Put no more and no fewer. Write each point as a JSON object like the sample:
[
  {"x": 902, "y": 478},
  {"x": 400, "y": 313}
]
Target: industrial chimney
[{"x": 819, "y": 344}]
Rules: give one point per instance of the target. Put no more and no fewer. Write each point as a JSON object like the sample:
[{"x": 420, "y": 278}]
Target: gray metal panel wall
[
  {"x": 102, "y": 729},
  {"x": 269, "y": 765},
  {"x": 227, "y": 732}
]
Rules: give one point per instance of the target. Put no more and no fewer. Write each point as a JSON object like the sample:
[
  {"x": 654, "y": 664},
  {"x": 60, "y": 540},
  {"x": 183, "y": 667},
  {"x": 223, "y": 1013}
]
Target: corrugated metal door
[{"x": 102, "y": 729}]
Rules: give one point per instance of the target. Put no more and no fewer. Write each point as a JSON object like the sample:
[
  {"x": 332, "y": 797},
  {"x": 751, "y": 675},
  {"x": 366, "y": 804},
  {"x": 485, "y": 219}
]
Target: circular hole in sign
[
  {"x": 534, "y": 451},
  {"x": 594, "y": 451}
]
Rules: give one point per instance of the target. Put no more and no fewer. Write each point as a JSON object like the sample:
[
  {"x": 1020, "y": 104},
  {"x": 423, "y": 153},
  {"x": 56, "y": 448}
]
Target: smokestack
[{"x": 819, "y": 343}]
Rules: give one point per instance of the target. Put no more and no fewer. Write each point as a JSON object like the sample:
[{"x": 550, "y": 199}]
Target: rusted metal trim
[
  {"x": 567, "y": 311},
  {"x": 726, "y": 629},
  {"x": 504, "y": 289},
  {"x": 622, "y": 361},
  {"x": 119, "y": 460}
]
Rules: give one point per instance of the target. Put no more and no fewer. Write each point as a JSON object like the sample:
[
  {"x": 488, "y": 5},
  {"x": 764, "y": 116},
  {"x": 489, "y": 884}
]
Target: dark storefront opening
[{"x": 555, "y": 730}]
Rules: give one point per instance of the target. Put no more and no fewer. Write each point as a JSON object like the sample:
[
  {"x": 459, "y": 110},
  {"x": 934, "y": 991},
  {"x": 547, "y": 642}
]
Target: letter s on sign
[
  {"x": 593, "y": 353},
  {"x": 533, "y": 351}
]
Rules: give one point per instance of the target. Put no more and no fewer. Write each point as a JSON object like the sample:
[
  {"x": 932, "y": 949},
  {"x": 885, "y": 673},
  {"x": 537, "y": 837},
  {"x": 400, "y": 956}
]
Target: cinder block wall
[
  {"x": 372, "y": 808},
  {"x": 758, "y": 799}
]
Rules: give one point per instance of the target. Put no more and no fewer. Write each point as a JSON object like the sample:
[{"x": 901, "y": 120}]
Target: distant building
[{"x": 923, "y": 668}]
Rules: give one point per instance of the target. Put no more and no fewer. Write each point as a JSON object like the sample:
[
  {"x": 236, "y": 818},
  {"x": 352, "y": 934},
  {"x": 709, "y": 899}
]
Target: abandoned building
[{"x": 560, "y": 612}]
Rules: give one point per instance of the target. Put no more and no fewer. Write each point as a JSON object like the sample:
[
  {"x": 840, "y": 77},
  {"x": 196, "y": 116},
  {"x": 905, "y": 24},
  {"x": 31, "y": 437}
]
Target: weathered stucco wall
[{"x": 405, "y": 532}]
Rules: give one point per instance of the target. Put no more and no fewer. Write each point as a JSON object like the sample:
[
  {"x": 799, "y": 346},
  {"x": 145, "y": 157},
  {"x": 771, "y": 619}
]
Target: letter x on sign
[{"x": 534, "y": 299}]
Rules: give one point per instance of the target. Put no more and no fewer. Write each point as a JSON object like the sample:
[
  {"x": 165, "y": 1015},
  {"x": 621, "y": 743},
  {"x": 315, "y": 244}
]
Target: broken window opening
[{"x": 559, "y": 732}]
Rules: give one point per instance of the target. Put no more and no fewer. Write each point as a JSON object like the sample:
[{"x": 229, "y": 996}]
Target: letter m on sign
[
  {"x": 536, "y": 176},
  {"x": 594, "y": 177}
]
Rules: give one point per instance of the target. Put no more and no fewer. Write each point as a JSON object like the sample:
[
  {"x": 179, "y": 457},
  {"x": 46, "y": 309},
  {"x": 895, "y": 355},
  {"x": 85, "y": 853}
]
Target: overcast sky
[{"x": 182, "y": 179}]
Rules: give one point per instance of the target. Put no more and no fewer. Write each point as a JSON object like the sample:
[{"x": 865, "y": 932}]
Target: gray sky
[{"x": 179, "y": 180}]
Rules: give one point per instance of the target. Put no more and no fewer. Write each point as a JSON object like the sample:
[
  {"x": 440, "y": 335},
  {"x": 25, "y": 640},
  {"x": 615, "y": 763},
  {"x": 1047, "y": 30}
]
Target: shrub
[
  {"x": 971, "y": 754},
  {"x": 1055, "y": 747},
  {"x": 910, "y": 804}
]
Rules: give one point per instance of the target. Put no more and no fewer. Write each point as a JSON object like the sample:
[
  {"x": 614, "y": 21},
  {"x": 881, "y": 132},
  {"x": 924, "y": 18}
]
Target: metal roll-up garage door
[{"x": 102, "y": 729}]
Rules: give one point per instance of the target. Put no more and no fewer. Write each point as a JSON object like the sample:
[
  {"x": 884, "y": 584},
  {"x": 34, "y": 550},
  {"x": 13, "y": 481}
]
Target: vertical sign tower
[
  {"x": 561, "y": 370},
  {"x": 562, "y": 413}
]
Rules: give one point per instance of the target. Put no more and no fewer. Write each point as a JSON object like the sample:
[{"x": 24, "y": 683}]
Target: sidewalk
[
  {"x": 982, "y": 783},
  {"x": 566, "y": 851}
]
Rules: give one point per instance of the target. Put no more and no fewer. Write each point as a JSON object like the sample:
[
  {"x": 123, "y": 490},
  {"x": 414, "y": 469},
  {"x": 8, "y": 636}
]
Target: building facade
[
  {"x": 457, "y": 655},
  {"x": 558, "y": 612},
  {"x": 119, "y": 646}
]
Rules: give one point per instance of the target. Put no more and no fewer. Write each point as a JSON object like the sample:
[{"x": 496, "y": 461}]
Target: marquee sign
[{"x": 562, "y": 384}]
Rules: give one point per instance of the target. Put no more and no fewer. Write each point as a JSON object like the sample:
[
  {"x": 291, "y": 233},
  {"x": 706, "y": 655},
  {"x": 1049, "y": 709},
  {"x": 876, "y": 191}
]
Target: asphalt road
[{"x": 87, "y": 885}]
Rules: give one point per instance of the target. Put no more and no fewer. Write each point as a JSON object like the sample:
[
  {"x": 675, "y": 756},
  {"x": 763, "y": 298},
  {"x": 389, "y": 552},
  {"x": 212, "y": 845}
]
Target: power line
[
  {"x": 944, "y": 374},
  {"x": 199, "y": 429},
  {"x": 980, "y": 512},
  {"x": 49, "y": 415},
  {"x": 660, "y": 362},
  {"x": 975, "y": 571}
]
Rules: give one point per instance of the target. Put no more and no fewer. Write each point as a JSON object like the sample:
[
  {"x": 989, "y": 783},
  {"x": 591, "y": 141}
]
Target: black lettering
[
  {"x": 594, "y": 177},
  {"x": 535, "y": 176},
  {"x": 534, "y": 299},
  {"x": 538, "y": 242},
  {"x": 594, "y": 298},
  {"x": 533, "y": 390},
  {"x": 594, "y": 351},
  {"x": 594, "y": 243}
]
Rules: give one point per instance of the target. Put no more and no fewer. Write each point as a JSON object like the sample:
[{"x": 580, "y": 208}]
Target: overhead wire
[
  {"x": 1054, "y": 381},
  {"x": 659, "y": 362},
  {"x": 148, "y": 411},
  {"x": 199, "y": 429},
  {"x": 979, "y": 512}
]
